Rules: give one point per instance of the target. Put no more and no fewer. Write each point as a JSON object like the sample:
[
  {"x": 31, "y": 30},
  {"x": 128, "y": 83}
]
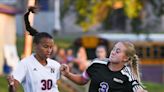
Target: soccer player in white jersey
[
  {"x": 120, "y": 74},
  {"x": 36, "y": 73}
]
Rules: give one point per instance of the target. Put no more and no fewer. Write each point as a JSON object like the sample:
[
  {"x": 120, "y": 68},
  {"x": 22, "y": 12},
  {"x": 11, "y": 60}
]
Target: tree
[{"x": 93, "y": 12}]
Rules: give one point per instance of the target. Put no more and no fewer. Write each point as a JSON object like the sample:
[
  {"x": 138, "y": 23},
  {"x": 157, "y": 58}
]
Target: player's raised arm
[{"x": 76, "y": 78}]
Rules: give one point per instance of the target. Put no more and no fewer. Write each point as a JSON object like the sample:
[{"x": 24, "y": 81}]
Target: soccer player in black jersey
[{"x": 120, "y": 74}]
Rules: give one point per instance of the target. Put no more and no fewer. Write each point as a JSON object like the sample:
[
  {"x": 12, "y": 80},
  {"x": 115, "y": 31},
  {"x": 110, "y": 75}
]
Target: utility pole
[
  {"x": 28, "y": 38},
  {"x": 57, "y": 25}
]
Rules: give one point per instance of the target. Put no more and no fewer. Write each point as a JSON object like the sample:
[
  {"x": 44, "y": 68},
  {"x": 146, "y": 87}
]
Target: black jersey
[{"x": 105, "y": 80}]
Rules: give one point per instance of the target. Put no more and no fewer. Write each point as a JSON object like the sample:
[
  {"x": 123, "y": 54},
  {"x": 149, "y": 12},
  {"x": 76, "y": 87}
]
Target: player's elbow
[{"x": 83, "y": 81}]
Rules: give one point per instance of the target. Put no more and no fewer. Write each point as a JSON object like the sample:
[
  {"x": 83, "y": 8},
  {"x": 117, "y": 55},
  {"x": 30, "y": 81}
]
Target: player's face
[
  {"x": 117, "y": 54},
  {"x": 101, "y": 53},
  {"x": 44, "y": 48}
]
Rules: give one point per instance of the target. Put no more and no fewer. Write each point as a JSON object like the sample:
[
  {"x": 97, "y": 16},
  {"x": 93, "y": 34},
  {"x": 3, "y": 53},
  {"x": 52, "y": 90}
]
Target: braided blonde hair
[{"x": 133, "y": 59}]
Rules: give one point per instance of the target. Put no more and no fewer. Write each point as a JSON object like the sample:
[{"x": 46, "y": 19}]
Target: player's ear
[{"x": 126, "y": 59}]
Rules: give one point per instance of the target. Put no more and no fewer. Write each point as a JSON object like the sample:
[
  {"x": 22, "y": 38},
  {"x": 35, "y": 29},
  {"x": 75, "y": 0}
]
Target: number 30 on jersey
[{"x": 46, "y": 84}]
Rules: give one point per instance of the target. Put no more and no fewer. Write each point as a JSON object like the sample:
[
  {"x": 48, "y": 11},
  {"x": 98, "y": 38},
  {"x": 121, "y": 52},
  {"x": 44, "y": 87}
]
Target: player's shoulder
[
  {"x": 53, "y": 62},
  {"x": 128, "y": 73},
  {"x": 126, "y": 69},
  {"x": 27, "y": 59},
  {"x": 97, "y": 61}
]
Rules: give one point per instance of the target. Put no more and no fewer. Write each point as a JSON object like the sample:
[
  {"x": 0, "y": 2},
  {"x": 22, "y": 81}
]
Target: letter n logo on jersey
[{"x": 52, "y": 70}]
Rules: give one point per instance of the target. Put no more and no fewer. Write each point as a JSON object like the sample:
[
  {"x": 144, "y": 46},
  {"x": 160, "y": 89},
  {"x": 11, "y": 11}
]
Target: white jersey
[{"x": 37, "y": 78}]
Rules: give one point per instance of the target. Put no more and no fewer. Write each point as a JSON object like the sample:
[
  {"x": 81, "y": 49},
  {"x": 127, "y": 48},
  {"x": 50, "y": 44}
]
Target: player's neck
[
  {"x": 41, "y": 60},
  {"x": 115, "y": 67}
]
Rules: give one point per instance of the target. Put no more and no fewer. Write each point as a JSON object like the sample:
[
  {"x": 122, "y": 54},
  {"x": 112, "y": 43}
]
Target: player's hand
[
  {"x": 33, "y": 9},
  {"x": 141, "y": 90},
  {"x": 10, "y": 80},
  {"x": 64, "y": 69}
]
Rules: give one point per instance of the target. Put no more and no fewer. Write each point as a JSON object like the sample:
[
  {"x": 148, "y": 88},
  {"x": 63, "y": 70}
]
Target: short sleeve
[
  {"x": 20, "y": 72},
  {"x": 90, "y": 71}
]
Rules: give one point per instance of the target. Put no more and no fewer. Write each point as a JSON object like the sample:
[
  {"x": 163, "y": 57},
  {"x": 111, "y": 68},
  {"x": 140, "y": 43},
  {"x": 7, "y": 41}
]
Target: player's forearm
[{"x": 76, "y": 78}]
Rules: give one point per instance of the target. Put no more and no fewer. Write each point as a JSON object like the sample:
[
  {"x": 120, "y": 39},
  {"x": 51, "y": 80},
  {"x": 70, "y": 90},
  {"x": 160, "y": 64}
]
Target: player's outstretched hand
[
  {"x": 33, "y": 9},
  {"x": 141, "y": 90},
  {"x": 64, "y": 69}
]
